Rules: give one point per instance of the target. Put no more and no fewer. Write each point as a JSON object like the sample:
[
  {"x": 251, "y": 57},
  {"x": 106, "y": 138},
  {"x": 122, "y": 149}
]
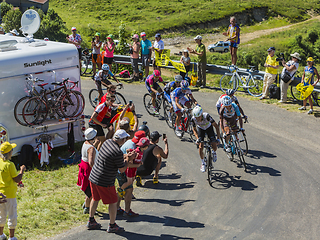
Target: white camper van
[{"x": 50, "y": 61}]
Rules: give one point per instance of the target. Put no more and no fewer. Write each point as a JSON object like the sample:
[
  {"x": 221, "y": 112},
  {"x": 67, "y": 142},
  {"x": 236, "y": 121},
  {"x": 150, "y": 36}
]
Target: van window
[{"x": 226, "y": 44}]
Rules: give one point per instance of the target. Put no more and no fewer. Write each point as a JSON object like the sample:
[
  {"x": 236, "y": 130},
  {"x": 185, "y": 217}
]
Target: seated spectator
[{"x": 291, "y": 67}]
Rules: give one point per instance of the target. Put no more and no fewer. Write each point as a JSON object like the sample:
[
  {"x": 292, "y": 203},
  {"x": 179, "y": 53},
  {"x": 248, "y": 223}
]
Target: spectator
[
  {"x": 102, "y": 177},
  {"x": 109, "y": 49},
  {"x": 124, "y": 122},
  {"x": 271, "y": 65},
  {"x": 146, "y": 45},
  {"x": 98, "y": 120},
  {"x": 291, "y": 67},
  {"x": 233, "y": 34},
  {"x": 200, "y": 51},
  {"x": 9, "y": 178},
  {"x": 145, "y": 128},
  {"x": 308, "y": 79},
  {"x": 76, "y": 39},
  {"x": 89, "y": 155},
  {"x": 14, "y": 32},
  {"x": 185, "y": 59},
  {"x": 152, "y": 158},
  {"x": 96, "y": 57},
  {"x": 134, "y": 56},
  {"x": 158, "y": 46},
  {"x": 2, "y": 30}
]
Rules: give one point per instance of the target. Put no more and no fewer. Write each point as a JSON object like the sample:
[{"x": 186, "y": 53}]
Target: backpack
[
  {"x": 124, "y": 74},
  {"x": 274, "y": 91},
  {"x": 26, "y": 155}
]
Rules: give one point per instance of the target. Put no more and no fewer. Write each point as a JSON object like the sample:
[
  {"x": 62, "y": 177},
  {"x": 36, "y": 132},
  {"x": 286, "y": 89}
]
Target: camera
[
  {"x": 130, "y": 51},
  {"x": 93, "y": 39},
  {"x": 280, "y": 59}
]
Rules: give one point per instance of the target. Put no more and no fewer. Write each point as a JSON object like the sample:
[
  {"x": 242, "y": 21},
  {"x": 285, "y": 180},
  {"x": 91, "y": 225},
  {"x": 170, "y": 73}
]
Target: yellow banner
[
  {"x": 163, "y": 60},
  {"x": 179, "y": 66}
]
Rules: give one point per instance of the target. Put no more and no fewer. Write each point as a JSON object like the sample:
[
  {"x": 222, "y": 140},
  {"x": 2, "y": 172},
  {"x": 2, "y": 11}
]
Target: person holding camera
[
  {"x": 134, "y": 56},
  {"x": 96, "y": 57},
  {"x": 272, "y": 66},
  {"x": 288, "y": 71}
]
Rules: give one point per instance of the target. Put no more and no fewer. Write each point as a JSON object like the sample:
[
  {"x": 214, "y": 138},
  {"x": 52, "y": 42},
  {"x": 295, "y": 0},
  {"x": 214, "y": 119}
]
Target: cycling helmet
[
  {"x": 178, "y": 78},
  {"x": 197, "y": 111},
  {"x": 226, "y": 101},
  {"x": 156, "y": 73},
  {"x": 144, "y": 128},
  {"x": 230, "y": 92},
  {"x": 184, "y": 85},
  {"x": 105, "y": 67}
]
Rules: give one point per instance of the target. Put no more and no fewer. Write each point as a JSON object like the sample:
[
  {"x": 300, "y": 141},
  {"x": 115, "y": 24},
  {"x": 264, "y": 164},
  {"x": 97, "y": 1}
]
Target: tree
[
  {"x": 5, "y": 7},
  {"x": 12, "y": 20}
]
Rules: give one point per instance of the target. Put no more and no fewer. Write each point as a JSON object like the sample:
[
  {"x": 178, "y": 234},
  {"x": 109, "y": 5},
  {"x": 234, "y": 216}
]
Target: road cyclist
[
  {"x": 203, "y": 125},
  {"x": 153, "y": 87},
  {"x": 168, "y": 88},
  {"x": 180, "y": 97},
  {"x": 101, "y": 77},
  {"x": 229, "y": 115}
]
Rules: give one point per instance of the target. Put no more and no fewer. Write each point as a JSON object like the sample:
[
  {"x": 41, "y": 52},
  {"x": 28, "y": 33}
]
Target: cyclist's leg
[
  {"x": 98, "y": 85},
  {"x": 212, "y": 137},
  {"x": 201, "y": 135}
]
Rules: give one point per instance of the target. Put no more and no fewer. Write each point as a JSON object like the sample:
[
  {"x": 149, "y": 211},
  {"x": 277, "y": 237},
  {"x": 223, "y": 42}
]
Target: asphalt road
[{"x": 278, "y": 198}]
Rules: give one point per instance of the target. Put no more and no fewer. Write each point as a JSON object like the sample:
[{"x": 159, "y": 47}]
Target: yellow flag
[
  {"x": 160, "y": 59},
  {"x": 179, "y": 66}
]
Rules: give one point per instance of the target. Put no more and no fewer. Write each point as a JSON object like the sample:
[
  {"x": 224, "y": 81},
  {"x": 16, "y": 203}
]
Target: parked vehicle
[
  {"x": 219, "y": 47},
  {"x": 22, "y": 59}
]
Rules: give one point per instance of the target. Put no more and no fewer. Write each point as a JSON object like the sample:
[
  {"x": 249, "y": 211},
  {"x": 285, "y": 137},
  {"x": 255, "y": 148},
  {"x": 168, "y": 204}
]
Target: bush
[
  {"x": 12, "y": 20},
  {"x": 5, "y": 7}
]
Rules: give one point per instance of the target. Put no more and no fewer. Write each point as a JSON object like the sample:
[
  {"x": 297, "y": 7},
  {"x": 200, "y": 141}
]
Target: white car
[{"x": 219, "y": 47}]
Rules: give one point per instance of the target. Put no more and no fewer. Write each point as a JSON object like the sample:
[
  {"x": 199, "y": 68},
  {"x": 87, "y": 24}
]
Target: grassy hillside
[{"x": 155, "y": 15}]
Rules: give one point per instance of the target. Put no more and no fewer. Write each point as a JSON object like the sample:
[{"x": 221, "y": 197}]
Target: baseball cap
[
  {"x": 73, "y": 29},
  {"x": 185, "y": 50},
  {"x": 137, "y": 136},
  {"x": 155, "y": 135},
  {"x": 310, "y": 59},
  {"x": 110, "y": 36},
  {"x": 198, "y": 37},
  {"x": 97, "y": 34},
  {"x": 135, "y": 36},
  {"x": 120, "y": 134},
  {"x": 143, "y": 142},
  {"x": 124, "y": 124},
  {"x": 7, "y": 147},
  {"x": 271, "y": 49},
  {"x": 157, "y": 35},
  {"x": 90, "y": 134},
  {"x": 143, "y": 34}
]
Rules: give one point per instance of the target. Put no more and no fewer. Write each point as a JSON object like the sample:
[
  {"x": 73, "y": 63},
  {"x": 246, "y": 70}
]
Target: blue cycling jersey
[
  {"x": 230, "y": 113},
  {"x": 177, "y": 93}
]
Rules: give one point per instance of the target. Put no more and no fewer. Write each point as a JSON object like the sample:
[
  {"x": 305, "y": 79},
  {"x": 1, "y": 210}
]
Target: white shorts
[
  {"x": 182, "y": 101},
  {"x": 9, "y": 208}
]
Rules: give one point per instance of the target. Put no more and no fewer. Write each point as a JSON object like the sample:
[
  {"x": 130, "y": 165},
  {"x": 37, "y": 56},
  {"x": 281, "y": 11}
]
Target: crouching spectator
[{"x": 9, "y": 178}]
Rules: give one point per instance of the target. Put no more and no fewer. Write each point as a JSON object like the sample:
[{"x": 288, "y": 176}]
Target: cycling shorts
[
  {"x": 230, "y": 122},
  {"x": 210, "y": 133},
  {"x": 155, "y": 86},
  {"x": 234, "y": 45},
  {"x": 96, "y": 58},
  {"x": 182, "y": 101}
]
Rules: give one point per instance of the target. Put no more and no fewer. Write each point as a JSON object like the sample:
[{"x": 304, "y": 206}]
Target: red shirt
[{"x": 102, "y": 109}]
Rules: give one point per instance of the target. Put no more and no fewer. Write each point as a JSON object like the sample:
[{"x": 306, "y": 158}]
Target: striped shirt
[{"x": 105, "y": 168}]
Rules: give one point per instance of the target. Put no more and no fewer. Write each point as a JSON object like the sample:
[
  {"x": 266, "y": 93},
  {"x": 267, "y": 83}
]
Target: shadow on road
[
  {"x": 257, "y": 154},
  {"x": 168, "y": 186},
  {"x": 255, "y": 169},
  {"x": 133, "y": 235},
  {"x": 165, "y": 176},
  {"x": 222, "y": 180},
  {"x": 176, "y": 203}
]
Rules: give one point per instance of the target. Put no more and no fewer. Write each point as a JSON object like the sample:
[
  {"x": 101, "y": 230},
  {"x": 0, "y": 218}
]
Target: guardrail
[{"x": 211, "y": 68}]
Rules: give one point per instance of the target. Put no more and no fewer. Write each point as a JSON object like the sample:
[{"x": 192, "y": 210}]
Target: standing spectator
[
  {"x": 2, "y": 30},
  {"x": 109, "y": 49},
  {"x": 102, "y": 177},
  {"x": 76, "y": 39},
  {"x": 89, "y": 155},
  {"x": 152, "y": 158},
  {"x": 96, "y": 57},
  {"x": 146, "y": 46},
  {"x": 200, "y": 51},
  {"x": 308, "y": 79},
  {"x": 291, "y": 67},
  {"x": 134, "y": 56},
  {"x": 9, "y": 178},
  {"x": 158, "y": 46},
  {"x": 233, "y": 34},
  {"x": 185, "y": 60},
  {"x": 272, "y": 66}
]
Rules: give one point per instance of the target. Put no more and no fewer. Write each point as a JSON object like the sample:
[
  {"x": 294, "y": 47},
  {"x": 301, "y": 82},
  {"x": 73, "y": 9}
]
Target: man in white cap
[
  {"x": 200, "y": 51},
  {"x": 76, "y": 39},
  {"x": 102, "y": 177},
  {"x": 146, "y": 45}
]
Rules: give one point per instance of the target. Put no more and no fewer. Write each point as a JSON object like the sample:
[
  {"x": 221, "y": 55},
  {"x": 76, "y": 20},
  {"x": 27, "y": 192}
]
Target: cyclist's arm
[
  {"x": 193, "y": 99},
  {"x": 177, "y": 103},
  {"x": 240, "y": 121},
  {"x": 194, "y": 129},
  {"x": 114, "y": 77},
  {"x": 240, "y": 109}
]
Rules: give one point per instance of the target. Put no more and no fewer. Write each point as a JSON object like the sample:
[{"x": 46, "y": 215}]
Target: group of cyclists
[{"x": 179, "y": 96}]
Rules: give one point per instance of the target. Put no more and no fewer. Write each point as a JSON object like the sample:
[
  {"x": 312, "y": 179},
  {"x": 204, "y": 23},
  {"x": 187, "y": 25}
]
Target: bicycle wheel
[
  {"x": 255, "y": 85},
  {"x": 240, "y": 154},
  {"x": 120, "y": 99},
  {"x": 84, "y": 65},
  {"x": 114, "y": 67},
  {"x": 231, "y": 153},
  {"x": 243, "y": 142},
  {"x": 296, "y": 94},
  {"x": 209, "y": 164},
  {"x": 94, "y": 97},
  {"x": 190, "y": 131},
  {"x": 34, "y": 111},
  {"x": 147, "y": 101},
  {"x": 167, "y": 114},
  {"x": 90, "y": 66},
  {"x": 316, "y": 98},
  {"x": 228, "y": 82},
  {"x": 69, "y": 104},
  {"x": 81, "y": 103},
  {"x": 18, "y": 110}
]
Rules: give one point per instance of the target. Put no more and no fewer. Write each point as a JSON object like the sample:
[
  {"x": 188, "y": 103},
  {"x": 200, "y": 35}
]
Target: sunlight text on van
[{"x": 37, "y": 63}]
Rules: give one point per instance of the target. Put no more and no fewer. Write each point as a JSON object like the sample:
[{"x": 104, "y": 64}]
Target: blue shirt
[
  {"x": 308, "y": 75},
  {"x": 170, "y": 87},
  {"x": 128, "y": 145},
  {"x": 177, "y": 93},
  {"x": 145, "y": 45}
]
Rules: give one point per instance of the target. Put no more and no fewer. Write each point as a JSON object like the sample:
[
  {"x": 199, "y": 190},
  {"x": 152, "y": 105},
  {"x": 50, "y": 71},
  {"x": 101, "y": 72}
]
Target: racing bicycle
[
  {"x": 160, "y": 100},
  {"x": 315, "y": 95},
  {"x": 185, "y": 124},
  {"x": 252, "y": 83},
  {"x": 94, "y": 97},
  {"x": 208, "y": 158}
]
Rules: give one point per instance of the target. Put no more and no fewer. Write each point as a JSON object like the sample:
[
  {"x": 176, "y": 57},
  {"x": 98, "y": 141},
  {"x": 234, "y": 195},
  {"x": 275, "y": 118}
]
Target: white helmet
[
  {"x": 197, "y": 111},
  {"x": 226, "y": 101},
  {"x": 105, "y": 67}
]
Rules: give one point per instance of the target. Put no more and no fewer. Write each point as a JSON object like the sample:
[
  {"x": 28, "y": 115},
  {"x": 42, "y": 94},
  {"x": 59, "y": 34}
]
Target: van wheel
[
  {"x": 226, "y": 50},
  {"x": 211, "y": 50}
]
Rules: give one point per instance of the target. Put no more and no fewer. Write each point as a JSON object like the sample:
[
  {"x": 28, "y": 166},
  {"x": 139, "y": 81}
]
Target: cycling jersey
[
  {"x": 205, "y": 122},
  {"x": 177, "y": 93},
  {"x": 169, "y": 87},
  {"x": 102, "y": 109},
  {"x": 233, "y": 32},
  {"x": 219, "y": 102},
  {"x": 308, "y": 75},
  {"x": 150, "y": 80},
  {"x": 226, "y": 113},
  {"x": 103, "y": 76}
]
